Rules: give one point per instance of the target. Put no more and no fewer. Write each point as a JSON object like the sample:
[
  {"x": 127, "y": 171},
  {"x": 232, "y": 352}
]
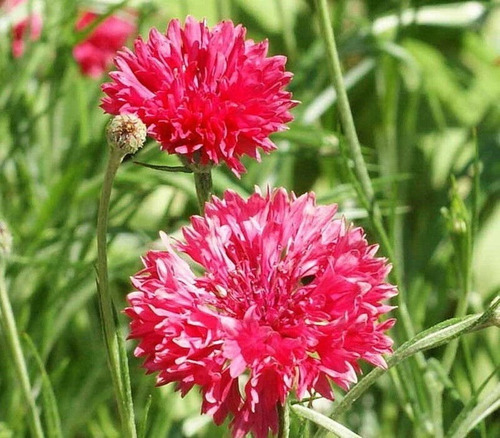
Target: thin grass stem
[
  {"x": 14, "y": 345},
  {"x": 365, "y": 187}
]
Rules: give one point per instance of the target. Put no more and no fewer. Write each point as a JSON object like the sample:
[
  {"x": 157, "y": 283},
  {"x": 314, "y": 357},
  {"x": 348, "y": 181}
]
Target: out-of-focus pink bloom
[
  {"x": 31, "y": 24},
  {"x": 205, "y": 94},
  {"x": 289, "y": 299},
  {"x": 95, "y": 54}
]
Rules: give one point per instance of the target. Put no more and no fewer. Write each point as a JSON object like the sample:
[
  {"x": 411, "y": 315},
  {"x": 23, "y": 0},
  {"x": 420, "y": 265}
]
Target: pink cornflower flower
[
  {"x": 95, "y": 54},
  {"x": 287, "y": 299},
  {"x": 205, "y": 94},
  {"x": 32, "y": 24}
]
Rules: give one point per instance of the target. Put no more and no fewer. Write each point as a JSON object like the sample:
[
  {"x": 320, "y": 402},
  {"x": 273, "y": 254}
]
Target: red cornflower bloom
[
  {"x": 288, "y": 300},
  {"x": 206, "y": 94},
  {"x": 95, "y": 54},
  {"x": 32, "y": 24}
]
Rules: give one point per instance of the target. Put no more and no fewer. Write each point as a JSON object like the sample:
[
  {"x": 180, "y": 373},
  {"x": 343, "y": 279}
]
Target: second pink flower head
[{"x": 285, "y": 299}]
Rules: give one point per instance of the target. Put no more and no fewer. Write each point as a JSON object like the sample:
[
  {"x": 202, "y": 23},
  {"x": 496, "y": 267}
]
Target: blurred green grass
[{"x": 418, "y": 89}]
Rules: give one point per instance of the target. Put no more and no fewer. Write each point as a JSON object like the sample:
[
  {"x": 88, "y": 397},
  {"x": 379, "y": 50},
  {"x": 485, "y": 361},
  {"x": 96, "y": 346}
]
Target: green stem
[
  {"x": 452, "y": 348},
  {"x": 463, "y": 245},
  {"x": 367, "y": 194},
  {"x": 284, "y": 420},
  {"x": 343, "y": 101},
  {"x": 467, "y": 284},
  {"x": 121, "y": 381},
  {"x": 364, "y": 189},
  {"x": 14, "y": 345},
  {"x": 203, "y": 183}
]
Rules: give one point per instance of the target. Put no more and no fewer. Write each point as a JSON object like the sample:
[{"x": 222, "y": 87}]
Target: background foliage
[{"x": 423, "y": 76}]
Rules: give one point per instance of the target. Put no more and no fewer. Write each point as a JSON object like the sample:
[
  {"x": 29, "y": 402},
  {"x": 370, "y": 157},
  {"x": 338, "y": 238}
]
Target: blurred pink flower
[
  {"x": 32, "y": 24},
  {"x": 206, "y": 94},
  {"x": 95, "y": 54},
  {"x": 289, "y": 300}
]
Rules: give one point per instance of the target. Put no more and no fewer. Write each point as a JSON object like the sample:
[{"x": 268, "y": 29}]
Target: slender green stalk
[
  {"x": 203, "y": 183},
  {"x": 121, "y": 382},
  {"x": 343, "y": 102},
  {"x": 461, "y": 236},
  {"x": 284, "y": 420},
  {"x": 14, "y": 344},
  {"x": 367, "y": 194}
]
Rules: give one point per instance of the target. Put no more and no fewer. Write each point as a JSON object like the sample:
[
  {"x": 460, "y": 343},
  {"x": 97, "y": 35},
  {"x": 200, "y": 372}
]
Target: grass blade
[
  {"x": 325, "y": 422},
  {"x": 473, "y": 414},
  {"x": 50, "y": 408}
]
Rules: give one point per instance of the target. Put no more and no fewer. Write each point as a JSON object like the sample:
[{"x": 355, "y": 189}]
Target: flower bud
[
  {"x": 126, "y": 133},
  {"x": 5, "y": 240}
]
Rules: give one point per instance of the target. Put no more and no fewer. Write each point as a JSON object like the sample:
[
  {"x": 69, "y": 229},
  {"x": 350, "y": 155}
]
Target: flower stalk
[
  {"x": 126, "y": 134},
  {"x": 284, "y": 420},
  {"x": 13, "y": 342},
  {"x": 105, "y": 302},
  {"x": 202, "y": 179},
  {"x": 343, "y": 101},
  {"x": 203, "y": 183},
  {"x": 364, "y": 187}
]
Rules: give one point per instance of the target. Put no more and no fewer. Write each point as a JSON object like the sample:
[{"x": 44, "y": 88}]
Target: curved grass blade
[
  {"x": 49, "y": 403},
  {"x": 325, "y": 422}
]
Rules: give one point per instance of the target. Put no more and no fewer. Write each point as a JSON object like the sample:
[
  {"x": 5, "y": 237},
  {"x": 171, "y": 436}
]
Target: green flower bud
[{"x": 126, "y": 133}]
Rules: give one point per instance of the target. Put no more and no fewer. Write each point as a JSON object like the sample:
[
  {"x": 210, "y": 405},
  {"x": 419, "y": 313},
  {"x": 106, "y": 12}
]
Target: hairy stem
[
  {"x": 365, "y": 188},
  {"x": 117, "y": 365},
  {"x": 464, "y": 252},
  {"x": 203, "y": 183},
  {"x": 284, "y": 420}
]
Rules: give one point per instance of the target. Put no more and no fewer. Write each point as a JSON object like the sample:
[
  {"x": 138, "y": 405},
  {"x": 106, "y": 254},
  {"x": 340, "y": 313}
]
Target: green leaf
[
  {"x": 181, "y": 169},
  {"x": 325, "y": 422}
]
